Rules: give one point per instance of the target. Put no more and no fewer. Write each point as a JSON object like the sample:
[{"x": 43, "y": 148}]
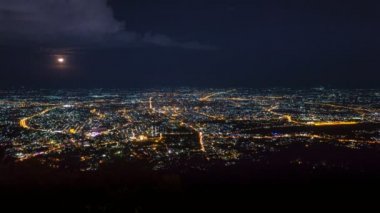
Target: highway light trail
[
  {"x": 314, "y": 123},
  {"x": 24, "y": 121},
  {"x": 207, "y": 97},
  {"x": 333, "y": 123}
]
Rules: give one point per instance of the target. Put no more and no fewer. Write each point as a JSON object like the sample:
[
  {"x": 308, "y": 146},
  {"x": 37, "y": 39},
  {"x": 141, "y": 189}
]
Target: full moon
[{"x": 61, "y": 60}]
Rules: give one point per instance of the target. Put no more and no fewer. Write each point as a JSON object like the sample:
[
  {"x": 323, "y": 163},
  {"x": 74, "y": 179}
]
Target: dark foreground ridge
[{"x": 279, "y": 181}]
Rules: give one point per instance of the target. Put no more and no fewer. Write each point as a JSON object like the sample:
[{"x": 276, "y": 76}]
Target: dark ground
[{"x": 272, "y": 184}]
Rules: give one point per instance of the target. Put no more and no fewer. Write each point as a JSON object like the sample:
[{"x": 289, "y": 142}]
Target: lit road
[
  {"x": 207, "y": 97},
  {"x": 24, "y": 121},
  {"x": 313, "y": 123}
]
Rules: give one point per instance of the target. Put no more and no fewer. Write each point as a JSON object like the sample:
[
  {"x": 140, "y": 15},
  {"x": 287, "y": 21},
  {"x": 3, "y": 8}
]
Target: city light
[{"x": 220, "y": 124}]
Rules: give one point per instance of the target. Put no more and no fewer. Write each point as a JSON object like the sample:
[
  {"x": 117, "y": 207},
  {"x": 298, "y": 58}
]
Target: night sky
[{"x": 197, "y": 43}]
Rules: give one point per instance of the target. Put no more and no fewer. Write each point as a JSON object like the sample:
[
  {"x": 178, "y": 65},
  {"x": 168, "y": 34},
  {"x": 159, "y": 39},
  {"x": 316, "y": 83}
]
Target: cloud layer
[{"x": 72, "y": 22}]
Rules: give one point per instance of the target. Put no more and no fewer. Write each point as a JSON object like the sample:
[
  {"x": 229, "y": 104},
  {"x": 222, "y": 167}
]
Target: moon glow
[{"x": 61, "y": 60}]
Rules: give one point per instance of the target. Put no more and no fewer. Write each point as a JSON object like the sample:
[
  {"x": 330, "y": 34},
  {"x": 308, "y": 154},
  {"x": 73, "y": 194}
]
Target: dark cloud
[{"x": 72, "y": 22}]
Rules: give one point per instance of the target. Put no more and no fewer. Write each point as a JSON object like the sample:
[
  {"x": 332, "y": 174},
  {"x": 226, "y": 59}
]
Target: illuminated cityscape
[
  {"x": 195, "y": 128},
  {"x": 189, "y": 105}
]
